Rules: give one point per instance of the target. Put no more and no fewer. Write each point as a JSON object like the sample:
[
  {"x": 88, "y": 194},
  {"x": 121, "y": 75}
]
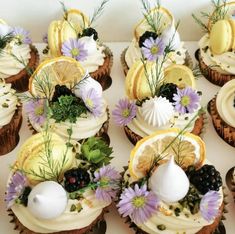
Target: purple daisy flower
[
  {"x": 15, "y": 188},
  {"x": 209, "y": 205},
  {"x": 92, "y": 101},
  {"x": 45, "y": 38},
  {"x": 125, "y": 111},
  {"x": 108, "y": 179},
  {"x": 186, "y": 100},
  {"x": 138, "y": 203},
  {"x": 22, "y": 35},
  {"x": 153, "y": 49},
  {"x": 74, "y": 48},
  {"x": 36, "y": 111}
]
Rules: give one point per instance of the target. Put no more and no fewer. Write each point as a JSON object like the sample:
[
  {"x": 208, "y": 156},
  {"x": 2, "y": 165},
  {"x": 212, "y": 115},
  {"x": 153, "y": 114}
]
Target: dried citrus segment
[
  {"x": 159, "y": 14},
  {"x": 61, "y": 70},
  {"x": 180, "y": 75},
  {"x": 187, "y": 149}
]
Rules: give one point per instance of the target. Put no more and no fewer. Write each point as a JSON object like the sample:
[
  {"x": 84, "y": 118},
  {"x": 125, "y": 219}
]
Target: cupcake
[
  {"x": 168, "y": 188},
  {"x": 68, "y": 98},
  {"x": 156, "y": 28},
  {"x": 159, "y": 99},
  {"x": 18, "y": 56},
  {"x": 73, "y": 36},
  {"x": 222, "y": 111},
  {"x": 10, "y": 118},
  {"x": 217, "y": 46},
  {"x": 60, "y": 187}
]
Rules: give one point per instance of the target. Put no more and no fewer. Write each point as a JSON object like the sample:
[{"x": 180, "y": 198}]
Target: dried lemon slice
[
  {"x": 187, "y": 149},
  {"x": 160, "y": 14},
  {"x": 2, "y": 21},
  {"x": 180, "y": 75},
  {"x": 61, "y": 70}
]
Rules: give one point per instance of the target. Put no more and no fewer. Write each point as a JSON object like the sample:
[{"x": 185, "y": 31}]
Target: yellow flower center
[
  {"x": 39, "y": 111},
  {"x": 104, "y": 181},
  {"x": 138, "y": 202},
  {"x": 154, "y": 50},
  {"x": 185, "y": 101},
  {"x": 126, "y": 113},
  {"x": 89, "y": 103},
  {"x": 75, "y": 52}
]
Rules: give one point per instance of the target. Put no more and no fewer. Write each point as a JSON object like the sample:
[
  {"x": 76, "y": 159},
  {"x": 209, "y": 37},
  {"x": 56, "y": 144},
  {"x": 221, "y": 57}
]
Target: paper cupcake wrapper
[
  {"x": 94, "y": 226},
  {"x": 188, "y": 61},
  {"x": 103, "y": 132},
  {"x": 9, "y": 134},
  {"x": 212, "y": 75},
  {"x": 102, "y": 75},
  {"x": 226, "y": 132},
  {"x": 199, "y": 129},
  {"x": 20, "y": 81}
]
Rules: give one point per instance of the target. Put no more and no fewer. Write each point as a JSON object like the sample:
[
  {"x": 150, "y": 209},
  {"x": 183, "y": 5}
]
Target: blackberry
[
  {"x": 76, "y": 179},
  {"x": 61, "y": 90},
  {"x": 24, "y": 196},
  {"x": 168, "y": 90},
  {"x": 89, "y": 32},
  {"x": 145, "y": 36},
  {"x": 205, "y": 179}
]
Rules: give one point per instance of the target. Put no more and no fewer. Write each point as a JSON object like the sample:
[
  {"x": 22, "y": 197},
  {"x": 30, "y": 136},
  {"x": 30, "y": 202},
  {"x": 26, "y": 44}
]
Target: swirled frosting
[
  {"x": 9, "y": 65},
  {"x": 8, "y": 103},
  {"x": 142, "y": 128},
  {"x": 157, "y": 111},
  {"x": 133, "y": 54},
  {"x": 225, "y": 103},
  {"x": 95, "y": 57},
  {"x": 223, "y": 63}
]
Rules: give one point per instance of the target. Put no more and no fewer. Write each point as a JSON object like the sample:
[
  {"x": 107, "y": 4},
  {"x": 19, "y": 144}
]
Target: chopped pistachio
[
  {"x": 161, "y": 227},
  {"x": 5, "y": 105},
  {"x": 79, "y": 207},
  {"x": 73, "y": 208}
]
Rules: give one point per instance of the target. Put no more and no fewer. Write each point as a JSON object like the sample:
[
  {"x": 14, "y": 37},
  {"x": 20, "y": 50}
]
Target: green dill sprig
[
  {"x": 219, "y": 13},
  {"x": 4, "y": 40},
  {"x": 196, "y": 71},
  {"x": 160, "y": 156},
  {"x": 97, "y": 12},
  {"x": 154, "y": 19}
]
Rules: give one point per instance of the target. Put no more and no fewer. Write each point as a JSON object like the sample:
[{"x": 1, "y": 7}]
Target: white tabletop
[{"x": 218, "y": 152}]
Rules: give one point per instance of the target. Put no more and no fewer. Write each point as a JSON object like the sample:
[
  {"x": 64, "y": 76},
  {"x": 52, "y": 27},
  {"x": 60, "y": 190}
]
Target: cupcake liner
[
  {"x": 226, "y": 132},
  {"x": 188, "y": 61},
  {"x": 86, "y": 230},
  {"x": 9, "y": 134},
  {"x": 199, "y": 129},
  {"x": 102, "y": 75},
  {"x": 20, "y": 81},
  {"x": 212, "y": 75}
]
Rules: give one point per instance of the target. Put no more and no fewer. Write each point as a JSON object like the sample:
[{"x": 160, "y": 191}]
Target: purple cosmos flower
[
  {"x": 92, "y": 101},
  {"x": 45, "y": 38},
  {"x": 138, "y": 203},
  {"x": 152, "y": 49},
  {"x": 108, "y": 179},
  {"x": 74, "y": 48},
  {"x": 186, "y": 100},
  {"x": 209, "y": 205},
  {"x": 15, "y": 188},
  {"x": 22, "y": 35},
  {"x": 36, "y": 111},
  {"x": 125, "y": 111}
]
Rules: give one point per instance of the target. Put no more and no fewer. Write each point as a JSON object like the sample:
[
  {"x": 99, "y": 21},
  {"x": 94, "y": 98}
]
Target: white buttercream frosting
[
  {"x": 157, "y": 111},
  {"x": 223, "y": 63},
  {"x": 225, "y": 103},
  {"x": 8, "y": 103}
]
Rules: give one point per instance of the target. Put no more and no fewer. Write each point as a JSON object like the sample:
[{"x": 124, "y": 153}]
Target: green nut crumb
[
  {"x": 5, "y": 105},
  {"x": 79, "y": 207},
  {"x": 73, "y": 208},
  {"x": 161, "y": 227}
]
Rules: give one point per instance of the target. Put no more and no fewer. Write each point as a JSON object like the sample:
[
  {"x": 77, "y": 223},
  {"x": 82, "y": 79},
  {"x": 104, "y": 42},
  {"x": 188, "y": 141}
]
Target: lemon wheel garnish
[
  {"x": 2, "y": 21},
  {"x": 187, "y": 149},
  {"x": 166, "y": 18},
  {"x": 62, "y": 70},
  {"x": 180, "y": 75}
]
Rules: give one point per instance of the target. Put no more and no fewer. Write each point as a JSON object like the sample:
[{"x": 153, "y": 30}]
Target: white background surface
[
  {"x": 116, "y": 23},
  {"x": 218, "y": 152}
]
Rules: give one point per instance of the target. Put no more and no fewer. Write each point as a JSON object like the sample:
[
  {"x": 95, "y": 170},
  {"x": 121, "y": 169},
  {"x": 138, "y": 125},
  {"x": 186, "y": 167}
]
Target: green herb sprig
[{"x": 4, "y": 40}]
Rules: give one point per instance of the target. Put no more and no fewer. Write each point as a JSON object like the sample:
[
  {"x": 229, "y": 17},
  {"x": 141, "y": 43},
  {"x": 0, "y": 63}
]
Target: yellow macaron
[{"x": 222, "y": 36}]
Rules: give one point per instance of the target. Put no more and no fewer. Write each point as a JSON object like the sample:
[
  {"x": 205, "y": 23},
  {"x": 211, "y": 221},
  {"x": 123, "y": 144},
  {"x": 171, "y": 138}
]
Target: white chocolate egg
[
  {"x": 169, "y": 182},
  {"x": 170, "y": 35},
  {"x": 47, "y": 200},
  {"x": 86, "y": 84}
]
